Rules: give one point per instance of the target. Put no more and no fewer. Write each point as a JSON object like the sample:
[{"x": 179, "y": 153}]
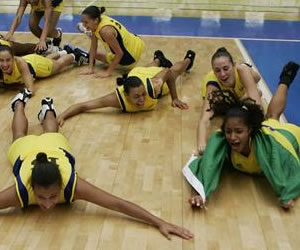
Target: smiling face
[
  {"x": 237, "y": 134},
  {"x": 137, "y": 96},
  {"x": 224, "y": 70},
  {"x": 47, "y": 197},
  {"x": 6, "y": 61},
  {"x": 89, "y": 23}
]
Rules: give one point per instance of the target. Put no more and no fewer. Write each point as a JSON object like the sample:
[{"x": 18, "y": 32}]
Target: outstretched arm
[
  {"x": 109, "y": 35},
  {"x": 249, "y": 83},
  {"x": 9, "y": 198},
  {"x": 88, "y": 192},
  {"x": 204, "y": 122},
  {"x": 109, "y": 100},
  {"x": 17, "y": 20},
  {"x": 41, "y": 46},
  {"x": 26, "y": 75}
]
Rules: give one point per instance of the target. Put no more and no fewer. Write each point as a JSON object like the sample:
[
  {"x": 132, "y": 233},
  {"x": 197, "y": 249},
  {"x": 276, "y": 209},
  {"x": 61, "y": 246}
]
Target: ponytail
[
  {"x": 222, "y": 51},
  {"x": 45, "y": 173},
  {"x": 129, "y": 82},
  {"x": 93, "y": 11}
]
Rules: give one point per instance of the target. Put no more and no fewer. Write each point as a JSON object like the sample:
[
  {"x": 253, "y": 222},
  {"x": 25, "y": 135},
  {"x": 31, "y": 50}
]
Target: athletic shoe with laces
[
  {"x": 47, "y": 105},
  {"x": 23, "y": 96},
  {"x": 56, "y": 41},
  {"x": 289, "y": 73},
  {"x": 81, "y": 56},
  {"x": 163, "y": 61},
  {"x": 83, "y": 29},
  {"x": 190, "y": 55},
  {"x": 69, "y": 48}
]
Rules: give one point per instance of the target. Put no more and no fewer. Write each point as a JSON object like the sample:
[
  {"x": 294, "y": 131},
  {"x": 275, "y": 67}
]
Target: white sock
[
  {"x": 73, "y": 56},
  {"x": 62, "y": 53}
]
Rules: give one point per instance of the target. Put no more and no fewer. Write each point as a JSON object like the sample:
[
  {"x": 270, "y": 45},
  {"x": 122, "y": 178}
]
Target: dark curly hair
[{"x": 228, "y": 105}]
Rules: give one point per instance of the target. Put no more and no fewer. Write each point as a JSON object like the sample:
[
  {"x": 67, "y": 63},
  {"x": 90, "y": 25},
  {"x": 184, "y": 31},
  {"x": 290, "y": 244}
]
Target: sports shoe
[
  {"x": 289, "y": 73},
  {"x": 83, "y": 29},
  {"x": 23, "y": 96},
  {"x": 190, "y": 55},
  {"x": 163, "y": 61},
  {"x": 69, "y": 48},
  {"x": 56, "y": 41},
  {"x": 47, "y": 105},
  {"x": 81, "y": 56}
]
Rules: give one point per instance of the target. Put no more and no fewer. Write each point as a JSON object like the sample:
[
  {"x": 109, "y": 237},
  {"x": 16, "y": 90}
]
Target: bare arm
[
  {"x": 249, "y": 83},
  {"x": 109, "y": 100},
  {"x": 88, "y": 192},
  {"x": 9, "y": 198},
  {"x": 92, "y": 53},
  {"x": 109, "y": 35},
  {"x": 166, "y": 76},
  {"x": 26, "y": 75},
  {"x": 204, "y": 122},
  {"x": 48, "y": 10},
  {"x": 17, "y": 20}
]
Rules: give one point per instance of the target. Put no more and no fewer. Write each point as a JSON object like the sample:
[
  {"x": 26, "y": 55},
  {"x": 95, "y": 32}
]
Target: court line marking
[
  {"x": 263, "y": 86},
  {"x": 184, "y": 36}
]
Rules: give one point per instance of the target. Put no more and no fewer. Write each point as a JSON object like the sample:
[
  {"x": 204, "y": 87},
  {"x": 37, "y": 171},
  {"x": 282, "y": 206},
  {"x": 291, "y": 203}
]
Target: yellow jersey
[
  {"x": 131, "y": 45},
  {"x": 4, "y": 42},
  {"x": 57, "y": 5},
  {"x": 22, "y": 155},
  {"x": 247, "y": 164},
  {"x": 39, "y": 67},
  {"x": 144, "y": 74},
  {"x": 211, "y": 79}
]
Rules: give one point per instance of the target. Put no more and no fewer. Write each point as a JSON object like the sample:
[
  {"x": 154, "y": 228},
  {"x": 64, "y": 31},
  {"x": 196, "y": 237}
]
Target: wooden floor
[{"x": 139, "y": 157}]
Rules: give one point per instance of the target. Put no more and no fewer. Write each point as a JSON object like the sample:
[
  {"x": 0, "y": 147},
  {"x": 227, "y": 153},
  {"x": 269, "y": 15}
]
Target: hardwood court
[{"x": 139, "y": 157}]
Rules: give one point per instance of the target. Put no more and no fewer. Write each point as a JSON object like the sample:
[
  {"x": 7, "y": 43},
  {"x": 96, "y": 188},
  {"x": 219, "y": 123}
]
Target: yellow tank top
[
  {"x": 22, "y": 170},
  {"x": 56, "y": 4},
  {"x": 6, "y": 43},
  {"x": 14, "y": 77},
  {"x": 127, "y": 41},
  {"x": 38, "y": 66},
  {"x": 210, "y": 78},
  {"x": 144, "y": 74},
  {"x": 245, "y": 164}
]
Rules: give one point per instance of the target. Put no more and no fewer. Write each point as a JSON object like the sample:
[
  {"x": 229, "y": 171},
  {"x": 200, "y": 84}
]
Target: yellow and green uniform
[
  {"x": 39, "y": 67},
  {"x": 211, "y": 79},
  {"x": 6, "y": 43},
  {"x": 22, "y": 154},
  {"x": 58, "y": 5},
  {"x": 144, "y": 74},
  {"x": 276, "y": 150},
  {"x": 131, "y": 45},
  {"x": 247, "y": 164}
]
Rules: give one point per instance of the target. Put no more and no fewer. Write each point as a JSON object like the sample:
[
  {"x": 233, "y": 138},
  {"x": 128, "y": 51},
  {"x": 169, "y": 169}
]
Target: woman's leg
[
  {"x": 34, "y": 21},
  {"x": 53, "y": 31},
  {"x": 278, "y": 101},
  {"x": 20, "y": 123},
  {"x": 22, "y": 49},
  {"x": 101, "y": 57},
  {"x": 47, "y": 116},
  {"x": 60, "y": 64}
]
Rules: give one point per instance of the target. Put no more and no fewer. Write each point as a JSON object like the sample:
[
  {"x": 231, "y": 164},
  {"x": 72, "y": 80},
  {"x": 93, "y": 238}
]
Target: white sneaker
[
  {"x": 23, "y": 96},
  {"x": 82, "y": 29},
  {"x": 47, "y": 105}
]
